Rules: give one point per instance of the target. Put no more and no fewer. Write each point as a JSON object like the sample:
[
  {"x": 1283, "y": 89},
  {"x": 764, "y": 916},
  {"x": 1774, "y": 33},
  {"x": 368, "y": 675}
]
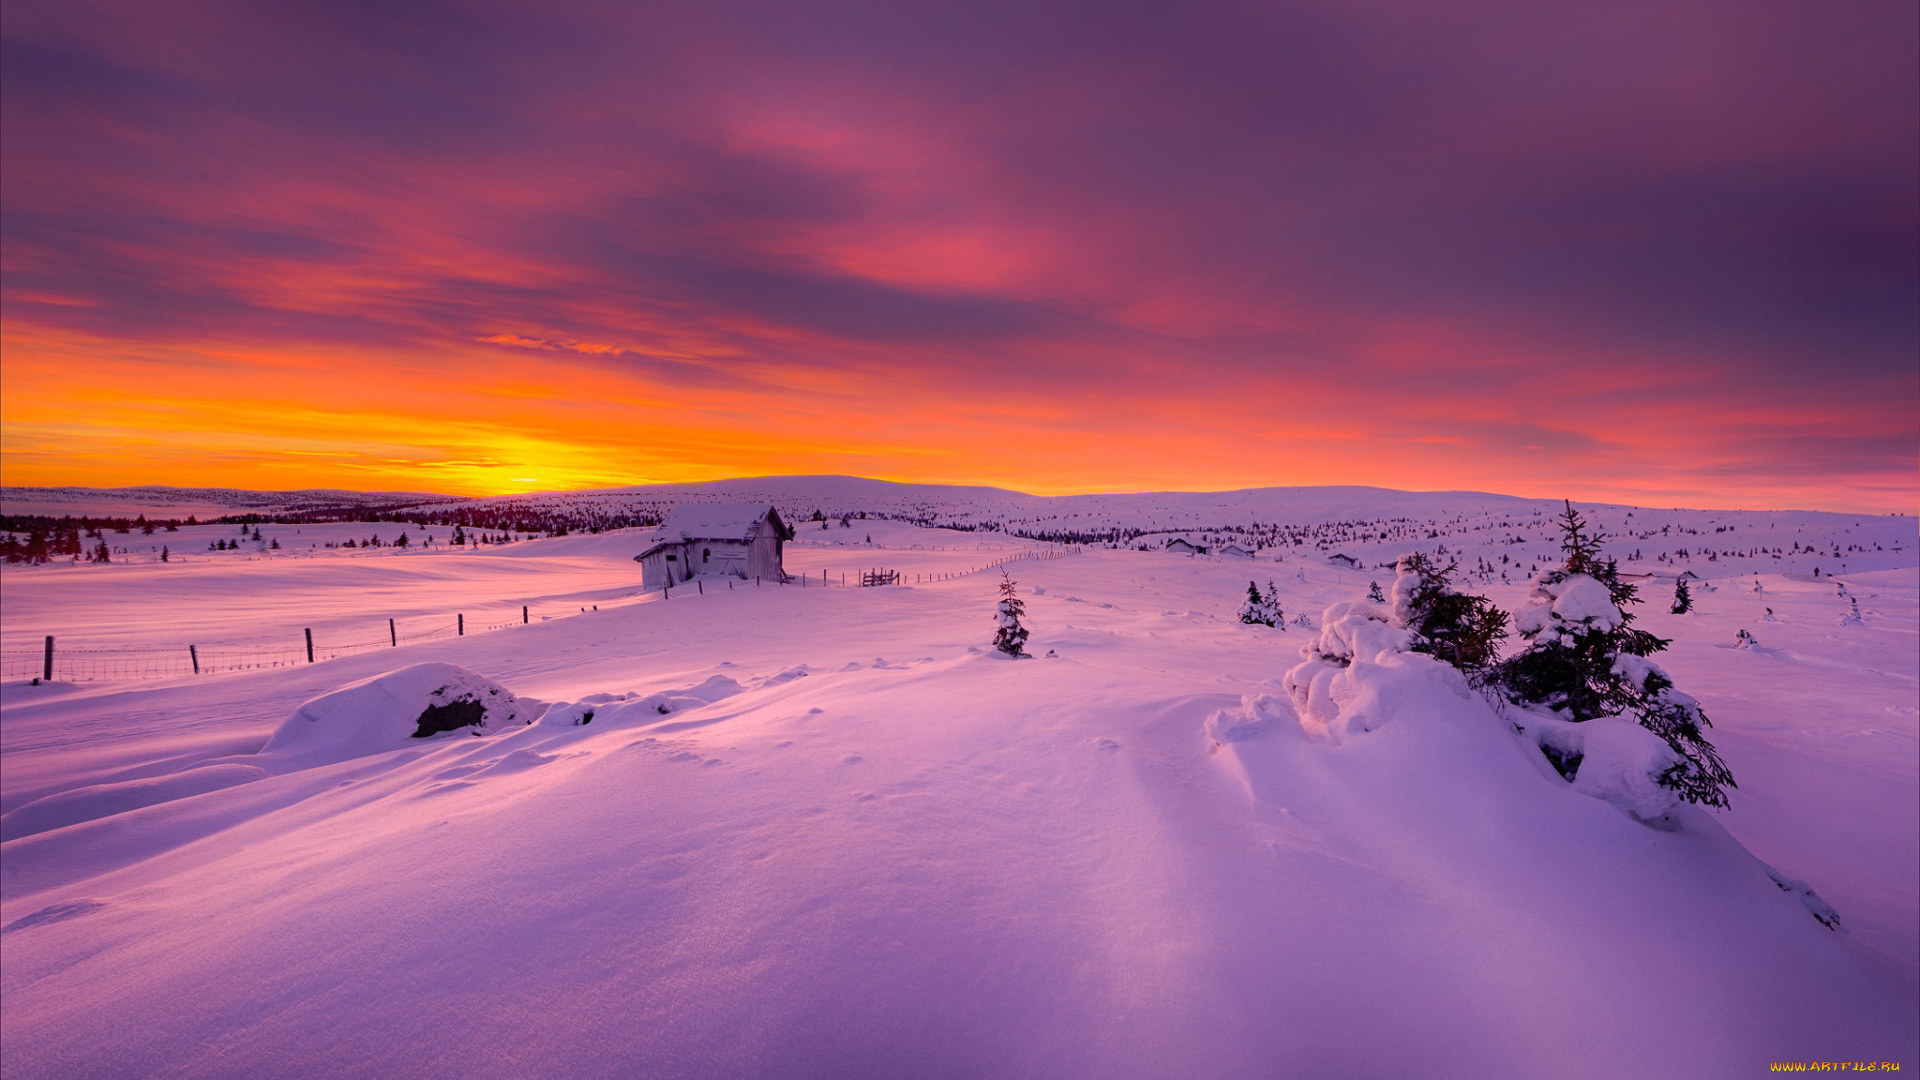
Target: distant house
[
  {"x": 745, "y": 541},
  {"x": 1184, "y": 547},
  {"x": 1343, "y": 560},
  {"x": 1236, "y": 551}
]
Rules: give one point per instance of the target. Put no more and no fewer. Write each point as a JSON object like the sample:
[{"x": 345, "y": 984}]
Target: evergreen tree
[
  {"x": 101, "y": 554},
  {"x": 1585, "y": 660},
  {"x": 1261, "y": 610},
  {"x": 163, "y": 553},
  {"x": 1010, "y": 637},
  {"x": 1374, "y": 594},
  {"x": 1461, "y": 629},
  {"x": 1682, "y": 599},
  {"x": 275, "y": 545}
]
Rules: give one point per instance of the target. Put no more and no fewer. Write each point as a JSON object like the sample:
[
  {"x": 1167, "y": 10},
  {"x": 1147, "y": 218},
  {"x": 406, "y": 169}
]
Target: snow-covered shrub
[
  {"x": 1009, "y": 637},
  {"x": 1461, "y": 629},
  {"x": 1585, "y": 661},
  {"x": 1260, "y": 610},
  {"x": 1324, "y": 687},
  {"x": 1745, "y": 639}
]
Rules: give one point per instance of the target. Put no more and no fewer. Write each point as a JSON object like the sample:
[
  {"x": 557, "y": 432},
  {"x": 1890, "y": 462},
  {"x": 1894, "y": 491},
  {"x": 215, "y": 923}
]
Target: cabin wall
[
  {"x": 718, "y": 557},
  {"x": 658, "y": 571},
  {"x": 764, "y": 554}
]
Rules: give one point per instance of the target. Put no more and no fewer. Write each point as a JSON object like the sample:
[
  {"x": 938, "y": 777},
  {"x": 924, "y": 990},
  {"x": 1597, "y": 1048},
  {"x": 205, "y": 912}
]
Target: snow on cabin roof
[{"x": 715, "y": 521}]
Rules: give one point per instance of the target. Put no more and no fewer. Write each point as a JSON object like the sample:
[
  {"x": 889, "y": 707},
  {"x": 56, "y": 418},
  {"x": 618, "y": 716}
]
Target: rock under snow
[{"x": 391, "y": 711}]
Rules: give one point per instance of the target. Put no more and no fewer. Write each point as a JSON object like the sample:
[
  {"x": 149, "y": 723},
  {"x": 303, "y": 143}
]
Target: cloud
[{"x": 1599, "y": 239}]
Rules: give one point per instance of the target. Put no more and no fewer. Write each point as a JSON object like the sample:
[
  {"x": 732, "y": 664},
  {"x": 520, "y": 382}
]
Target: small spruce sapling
[
  {"x": 1374, "y": 594},
  {"x": 1010, "y": 637},
  {"x": 1682, "y": 599},
  {"x": 1584, "y": 660}
]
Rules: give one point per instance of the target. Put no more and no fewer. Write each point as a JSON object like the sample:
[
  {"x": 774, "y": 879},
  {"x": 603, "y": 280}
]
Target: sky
[{"x": 1657, "y": 252}]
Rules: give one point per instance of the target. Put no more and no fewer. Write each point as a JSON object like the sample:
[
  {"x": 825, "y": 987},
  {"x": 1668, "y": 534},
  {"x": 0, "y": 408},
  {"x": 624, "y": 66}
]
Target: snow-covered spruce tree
[
  {"x": 1461, "y": 629},
  {"x": 1585, "y": 661},
  {"x": 1682, "y": 599},
  {"x": 1260, "y": 610},
  {"x": 1011, "y": 637},
  {"x": 1374, "y": 594}
]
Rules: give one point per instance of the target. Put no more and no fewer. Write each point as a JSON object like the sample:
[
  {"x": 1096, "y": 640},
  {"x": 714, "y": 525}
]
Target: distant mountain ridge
[
  {"x": 835, "y": 495},
  {"x": 161, "y": 500}
]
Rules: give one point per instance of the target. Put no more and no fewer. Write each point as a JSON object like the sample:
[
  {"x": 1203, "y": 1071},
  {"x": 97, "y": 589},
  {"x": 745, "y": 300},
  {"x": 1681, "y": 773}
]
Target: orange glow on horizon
[{"x": 295, "y": 418}]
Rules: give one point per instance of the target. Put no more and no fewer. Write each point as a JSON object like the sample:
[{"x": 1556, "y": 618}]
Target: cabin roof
[{"x": 741, "y": 522}]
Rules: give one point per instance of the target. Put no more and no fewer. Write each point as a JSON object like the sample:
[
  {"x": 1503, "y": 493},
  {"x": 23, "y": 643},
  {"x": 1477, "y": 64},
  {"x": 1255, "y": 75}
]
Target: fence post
[
  {"x": 523, "y": 614},
  {"x": 700, "y": 585},
  {"x": 46, "y": 673},
  {"x": 460, "y": 625},
  {"x": 392, "y": 634},
  {"x": 194, "y": 651},
  {"x": 309, "y": 644}
]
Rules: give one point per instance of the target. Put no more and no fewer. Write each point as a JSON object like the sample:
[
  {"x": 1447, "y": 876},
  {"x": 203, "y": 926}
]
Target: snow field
[{"x": 854, "y": 843}]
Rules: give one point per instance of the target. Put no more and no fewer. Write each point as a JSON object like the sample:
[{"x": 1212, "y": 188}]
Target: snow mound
[
  {"x": 391, "y": 711},
  {"x": 1621, "y": 763},
  {"x": 105, "y": 800},
  {"x": 1257, "y": 715},
  {"x": 630, "y": 709},
  {"x": 563, "y": 714}
]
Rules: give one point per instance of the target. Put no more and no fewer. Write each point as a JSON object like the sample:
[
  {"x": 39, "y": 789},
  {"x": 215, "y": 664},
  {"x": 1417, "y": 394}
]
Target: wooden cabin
[
  {"x": 745, "y": 541},
  {"x": 1235, "y": 551},
  {"x": 1182, "y": 546}
]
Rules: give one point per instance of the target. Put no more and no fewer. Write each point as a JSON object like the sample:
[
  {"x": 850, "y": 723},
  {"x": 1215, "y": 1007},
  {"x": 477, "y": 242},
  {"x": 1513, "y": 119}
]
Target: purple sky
[{"x": 1660, "y": 252}]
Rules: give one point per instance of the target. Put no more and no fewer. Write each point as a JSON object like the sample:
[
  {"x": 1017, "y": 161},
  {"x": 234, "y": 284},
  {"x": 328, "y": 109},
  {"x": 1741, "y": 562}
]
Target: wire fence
[{"x": 65, "y": 664}]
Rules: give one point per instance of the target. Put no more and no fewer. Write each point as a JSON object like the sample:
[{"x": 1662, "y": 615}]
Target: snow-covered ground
[{"x": 826, "y": 832}]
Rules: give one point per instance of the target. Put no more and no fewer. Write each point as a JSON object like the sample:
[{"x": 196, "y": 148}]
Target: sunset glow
[{"x": 1641, "y": 253}]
